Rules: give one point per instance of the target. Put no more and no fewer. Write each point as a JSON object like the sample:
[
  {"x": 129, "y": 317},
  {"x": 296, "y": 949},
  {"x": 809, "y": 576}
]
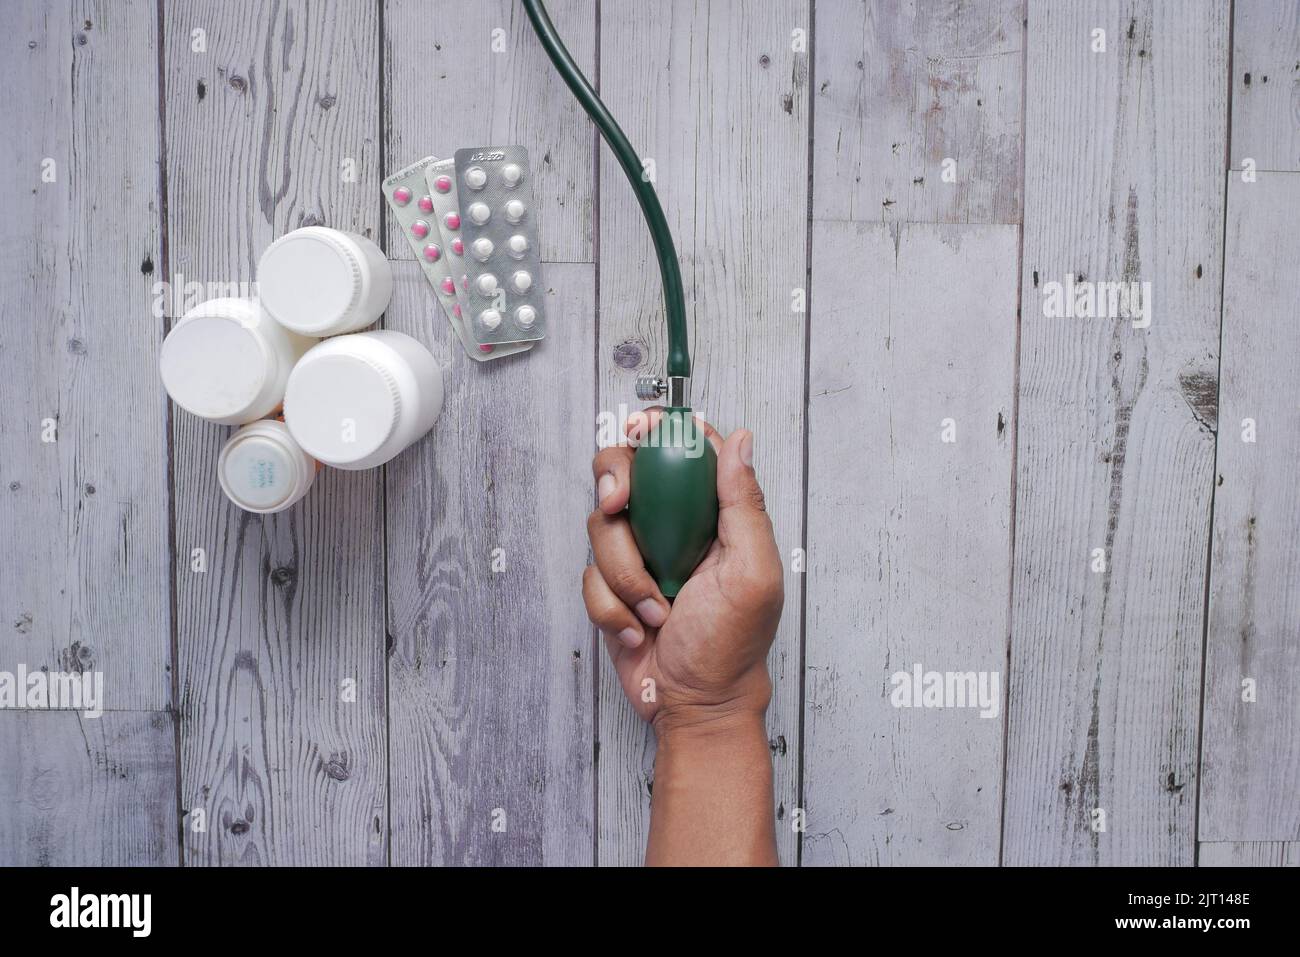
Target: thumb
[{"x": 742, "y": 514}]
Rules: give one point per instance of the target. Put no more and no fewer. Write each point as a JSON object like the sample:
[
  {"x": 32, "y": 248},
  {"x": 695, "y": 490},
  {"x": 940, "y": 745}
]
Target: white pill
[
  {"x": 490, "y": 318},
  {"x": 512, "y": 174},
  {"x": 514, "y": 211},
  {"x": 522, "y": 281},
  {"x": 517, "y": 246},
  {"x": 525, "y": 316},
  {"x": 475, "y": 177},
  {"x": 479, "y": 212},
  {"x": 487, "y": 284},
  {"x": 482, "y": 248}
]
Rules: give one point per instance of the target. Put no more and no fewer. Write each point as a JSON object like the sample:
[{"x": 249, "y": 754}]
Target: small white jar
[
  {"x": 323, "y": 282},
  {"x": 228, "y": 362},
  {"x": 354, "y": 402},
  {"x": 262, "y": 469}
]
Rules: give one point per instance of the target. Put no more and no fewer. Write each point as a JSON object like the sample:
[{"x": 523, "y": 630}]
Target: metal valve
[{"x": 650, "y": 387}]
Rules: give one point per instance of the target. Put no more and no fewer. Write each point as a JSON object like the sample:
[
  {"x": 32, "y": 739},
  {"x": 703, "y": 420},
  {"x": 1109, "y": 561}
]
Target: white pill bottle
[
  {"x": 323, "y": 282},
  {"x": 262, "y": 469},
  {"x": 354, "y": 402},
  {"x": 228, "y": 362}
]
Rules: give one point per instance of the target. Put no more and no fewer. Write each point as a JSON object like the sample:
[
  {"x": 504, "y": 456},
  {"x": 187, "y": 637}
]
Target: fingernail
[
  {"x": 630, "y": 637},
  {"x": 651, "y": 612},
  {"x": 606, "y": 486},
  {"x": 747, "y": 449}
]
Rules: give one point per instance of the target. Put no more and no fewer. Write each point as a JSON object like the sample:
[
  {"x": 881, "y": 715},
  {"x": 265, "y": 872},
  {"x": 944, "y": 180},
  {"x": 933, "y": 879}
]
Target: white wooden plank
[
  {"x": 1266, "y": 84},
  {"x": 87, "y": 792},
  {"x": 1123, "y": 183},
  {"x": 491, "y": 671},
  {"x": 904, "y": 88},
  {"x": 473, "y": 74},
  {"x": 909, "y": 537},
  {"x": 1249, "y": 854},
  {"x": 490, "y": 666},
  {"x": 291, "y": 606},
  {"x": 725, "y": 120},
  {"x": 84, "y": 518},
  {"x": 1251, "y": 748},
  {"x": 84, "y": 585}
]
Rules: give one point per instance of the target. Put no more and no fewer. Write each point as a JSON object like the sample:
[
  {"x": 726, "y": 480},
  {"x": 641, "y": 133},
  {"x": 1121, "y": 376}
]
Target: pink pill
[
  {"x": 485, "y": 348},
  {"x": 432, "y": 253},
  {"x": 449, "y": 287},
  {"x": 401, "y": 196},
  {"x": 464, "y": 283},
  {"x": 452, "y": 220},
  {"x": 458, "y": 247},
  {"x": 442, "y": 184},
  {"x": 455, "y": 311},
  {"x": 426, "y": 204},
  {"x": 420, "y": 228}
]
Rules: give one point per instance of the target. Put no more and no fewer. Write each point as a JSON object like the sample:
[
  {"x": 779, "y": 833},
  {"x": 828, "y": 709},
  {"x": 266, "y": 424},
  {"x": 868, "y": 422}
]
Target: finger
[
  {"x": 612, "y": 468},
  {"x": 712, "y": 434},
  {"x": 743, "y": 522},
  {"x": 639, "y": 424},
  {"x": 607, "y": 612},
  {"x": 623, "y": 569}
]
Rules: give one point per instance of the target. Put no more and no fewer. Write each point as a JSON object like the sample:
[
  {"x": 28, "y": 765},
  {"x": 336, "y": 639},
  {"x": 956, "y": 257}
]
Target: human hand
[{"x": 705, "y": 655}]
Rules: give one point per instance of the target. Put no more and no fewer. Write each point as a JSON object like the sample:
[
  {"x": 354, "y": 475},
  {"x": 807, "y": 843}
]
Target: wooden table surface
[{"x": 870, "y": 202}]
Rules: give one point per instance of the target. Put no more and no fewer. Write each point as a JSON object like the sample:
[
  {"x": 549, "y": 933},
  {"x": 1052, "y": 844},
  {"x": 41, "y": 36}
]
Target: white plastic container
[
  {"x": 323, "y": 282},
  {"x": 228, "y": 362},
  {"x": 356, "y": 401},
  {"x": 262, "y": 469}
]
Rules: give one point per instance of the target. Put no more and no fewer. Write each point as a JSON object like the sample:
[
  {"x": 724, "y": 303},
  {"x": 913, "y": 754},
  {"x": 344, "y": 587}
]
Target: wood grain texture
[
  {"x": 473, "y": 74},
  {"x": 87, "y": 792},
  {"x": 1251, "y": 749},
  {"x": 909, "y": 541},
  {"x": 1123, "y": 183},
  {"x": 902, "y": 87},
  {"x": 727, "y": 128},
  {"x": 491, "y": 661},
  {"x": 83, "y": 586},
  {"x": 490, "y": 667},
  {"x": 1249, "y": 854},
  {"x": 291, "y": 606},
  {"x": 84, "y": 518},
  {"x": 1266, "y": 84}
]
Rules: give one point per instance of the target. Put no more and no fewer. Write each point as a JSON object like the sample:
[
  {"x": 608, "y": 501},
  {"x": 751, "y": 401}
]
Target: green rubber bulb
[{"x": 673, "y": 508}]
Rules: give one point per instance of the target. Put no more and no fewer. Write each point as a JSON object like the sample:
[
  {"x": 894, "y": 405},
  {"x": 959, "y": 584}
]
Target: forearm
[{"x": 712, "y": 801}]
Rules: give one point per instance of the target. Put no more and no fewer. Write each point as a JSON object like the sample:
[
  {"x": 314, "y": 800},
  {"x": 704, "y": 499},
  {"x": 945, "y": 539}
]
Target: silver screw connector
[{"x": 650, "y": 387}]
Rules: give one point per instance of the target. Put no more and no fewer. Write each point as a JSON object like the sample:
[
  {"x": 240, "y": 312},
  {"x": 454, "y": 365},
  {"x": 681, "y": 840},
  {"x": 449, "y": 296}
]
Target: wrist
[{"x": 736, "y": 713}]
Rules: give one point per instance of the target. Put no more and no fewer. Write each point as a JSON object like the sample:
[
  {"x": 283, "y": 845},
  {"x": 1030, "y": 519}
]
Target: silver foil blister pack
[
  {"x": 409, "y": 196},
  {"x": 503, "y": 288}
]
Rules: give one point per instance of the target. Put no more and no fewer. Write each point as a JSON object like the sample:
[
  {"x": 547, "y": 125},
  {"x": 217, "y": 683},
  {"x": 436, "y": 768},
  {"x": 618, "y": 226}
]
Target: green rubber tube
[
  {"x": 679, "y": 356},
  {"x": 673, "y": 507}
]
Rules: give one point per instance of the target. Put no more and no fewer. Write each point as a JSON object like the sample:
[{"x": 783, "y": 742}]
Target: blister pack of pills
[
  {"x": 503, "y": 288},
  {"x": 408, "y": 195}
]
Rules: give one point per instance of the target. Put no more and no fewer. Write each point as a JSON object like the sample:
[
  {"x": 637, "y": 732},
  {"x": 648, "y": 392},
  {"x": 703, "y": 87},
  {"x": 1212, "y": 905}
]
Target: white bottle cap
[
  {"x": 341, "y": 407},
  {"x": 262, "y": 469},
  {"x": 215, "y": 363},
  {"x": 321, "y": 282}
]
